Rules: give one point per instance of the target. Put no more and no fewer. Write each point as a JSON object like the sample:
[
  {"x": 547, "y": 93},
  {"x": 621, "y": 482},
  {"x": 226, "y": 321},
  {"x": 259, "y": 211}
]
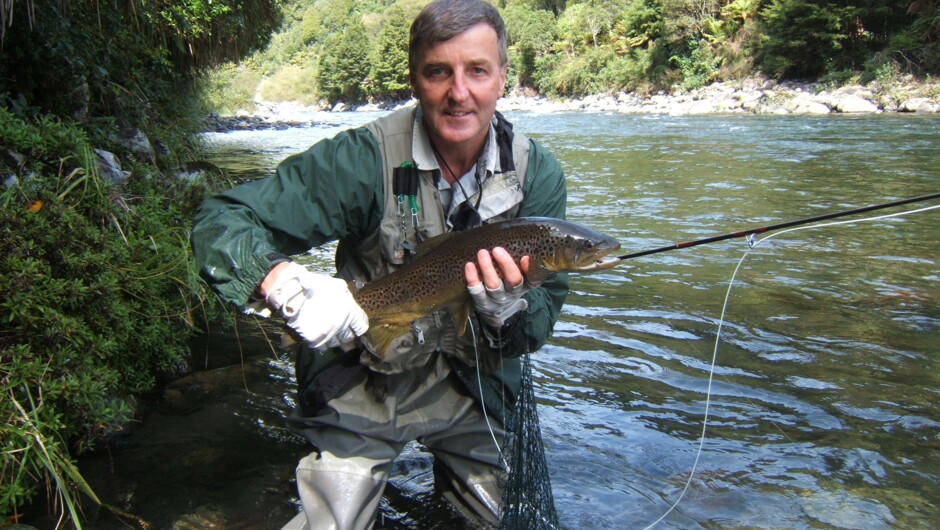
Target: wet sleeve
[
  {"x": 545, "y": 196},
  {"x": 331, "y": 191}
]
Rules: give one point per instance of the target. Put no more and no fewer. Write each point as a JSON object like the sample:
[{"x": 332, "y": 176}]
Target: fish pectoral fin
[
  {"x": 461, "y": 315},
  {"x": 380, "y": 337},
  {"x": 385, "y": 328},
  {"x": 536, "y": 275}
]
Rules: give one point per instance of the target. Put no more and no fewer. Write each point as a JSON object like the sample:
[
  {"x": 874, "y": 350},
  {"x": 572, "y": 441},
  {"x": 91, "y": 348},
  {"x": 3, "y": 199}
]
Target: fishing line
[
  {"x": 476, "y": 356},
  {"x": 752, "y": 244}
]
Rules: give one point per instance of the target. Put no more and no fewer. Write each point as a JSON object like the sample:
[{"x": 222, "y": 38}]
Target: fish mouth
[{"x": 599, "y": 264}]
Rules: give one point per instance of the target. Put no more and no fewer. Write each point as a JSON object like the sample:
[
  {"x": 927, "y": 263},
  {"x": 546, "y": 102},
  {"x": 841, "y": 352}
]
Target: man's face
[{"x": 458, "y": 82}]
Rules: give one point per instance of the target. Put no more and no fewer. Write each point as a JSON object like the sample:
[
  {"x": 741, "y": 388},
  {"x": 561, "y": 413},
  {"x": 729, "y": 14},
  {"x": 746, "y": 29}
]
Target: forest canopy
[{"x": 327, "y": 51}]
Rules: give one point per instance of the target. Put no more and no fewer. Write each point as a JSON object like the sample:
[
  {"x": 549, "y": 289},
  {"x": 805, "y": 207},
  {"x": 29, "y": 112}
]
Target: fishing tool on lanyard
[{"x": 405, "y": 184}]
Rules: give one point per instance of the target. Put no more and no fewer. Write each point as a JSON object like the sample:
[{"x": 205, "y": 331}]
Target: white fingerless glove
[
  {"x": 495, "y": 306},
  {"x": 318, "y": 307}
]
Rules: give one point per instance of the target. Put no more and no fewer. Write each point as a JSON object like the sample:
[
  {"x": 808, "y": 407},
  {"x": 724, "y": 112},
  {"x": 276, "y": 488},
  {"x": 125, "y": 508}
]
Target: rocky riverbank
[{"x": 749, "y": 96}]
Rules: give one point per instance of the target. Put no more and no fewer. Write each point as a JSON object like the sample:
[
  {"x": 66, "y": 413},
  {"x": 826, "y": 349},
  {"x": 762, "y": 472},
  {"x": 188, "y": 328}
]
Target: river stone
[
  {"x": 803, "y": 104},
  {"x": 203, "y": 518},
  {"x": 852, "y": 103},
  {"x": 919, "y": 105}
]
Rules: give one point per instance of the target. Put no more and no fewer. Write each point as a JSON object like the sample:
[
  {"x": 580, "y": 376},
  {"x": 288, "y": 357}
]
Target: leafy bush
[
  {"x": 916, "y": 49},
  {"x": 628, "y": 73},
  {"x": 580, "y": 75},
  {"x": 230, "y": 87},
  {"x": 98, "y": 296},
  {"x": 531, "y": 33},
  {"x": 291, "y": 83},
  {"x": 699, "y": 68}
]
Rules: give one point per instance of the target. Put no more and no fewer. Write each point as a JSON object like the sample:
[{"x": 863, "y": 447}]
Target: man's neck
[{"x": 456, "y": 160}]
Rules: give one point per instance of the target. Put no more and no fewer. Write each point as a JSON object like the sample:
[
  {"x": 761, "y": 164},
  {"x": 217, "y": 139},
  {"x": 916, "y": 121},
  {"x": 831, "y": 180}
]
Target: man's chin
[{"x": 458, "y": 135}]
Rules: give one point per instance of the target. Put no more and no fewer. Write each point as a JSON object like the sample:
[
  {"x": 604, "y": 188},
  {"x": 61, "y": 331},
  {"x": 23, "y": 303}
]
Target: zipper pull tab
[{"x": 419, "y": 335}]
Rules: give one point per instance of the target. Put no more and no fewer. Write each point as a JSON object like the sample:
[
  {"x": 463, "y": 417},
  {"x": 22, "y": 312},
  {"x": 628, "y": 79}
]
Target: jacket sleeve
[
  {"x": 332, "y": 190},
  {"x": 545, "y": 196}
]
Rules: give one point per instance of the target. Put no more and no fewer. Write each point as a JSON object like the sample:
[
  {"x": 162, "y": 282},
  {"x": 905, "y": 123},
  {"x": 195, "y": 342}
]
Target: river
[{"x": 821, "y": 401}]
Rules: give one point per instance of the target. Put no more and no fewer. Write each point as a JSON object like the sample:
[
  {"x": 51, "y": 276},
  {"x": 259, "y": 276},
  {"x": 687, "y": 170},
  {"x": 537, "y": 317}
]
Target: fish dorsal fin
[{"x": 431, "y": 243}]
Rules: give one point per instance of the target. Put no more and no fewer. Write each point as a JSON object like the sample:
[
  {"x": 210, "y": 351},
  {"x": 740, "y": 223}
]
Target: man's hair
[{"x": 443, "y": 20}]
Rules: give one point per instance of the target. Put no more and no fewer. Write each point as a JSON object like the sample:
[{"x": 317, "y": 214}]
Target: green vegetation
[
  {"x": 582, "y": 47},
  {"x": 97, "y": 291},
  {"x": 98, "y": 294}
]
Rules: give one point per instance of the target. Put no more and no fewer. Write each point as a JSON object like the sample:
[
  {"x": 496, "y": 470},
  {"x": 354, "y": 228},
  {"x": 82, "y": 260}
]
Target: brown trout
[{"x": 435, "y": 279}]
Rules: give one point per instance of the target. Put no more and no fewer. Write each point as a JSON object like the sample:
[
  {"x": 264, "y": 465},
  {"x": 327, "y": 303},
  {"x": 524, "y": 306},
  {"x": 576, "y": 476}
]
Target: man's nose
[{"x": 458, "y": 87}]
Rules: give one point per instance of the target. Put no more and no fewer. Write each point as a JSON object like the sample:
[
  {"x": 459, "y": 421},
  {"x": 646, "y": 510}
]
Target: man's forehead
[{"x": 482, "y": 32}]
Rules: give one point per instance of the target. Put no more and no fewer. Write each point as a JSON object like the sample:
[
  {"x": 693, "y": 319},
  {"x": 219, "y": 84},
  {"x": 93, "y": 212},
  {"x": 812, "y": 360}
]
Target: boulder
[
  {"x": 919, "y": 105},
  {"x": 109, "y": 167},
  {"x": 135, "y": 141},
  {"x": 851, "y": 103},
  {"x": 803, "y": 104}
]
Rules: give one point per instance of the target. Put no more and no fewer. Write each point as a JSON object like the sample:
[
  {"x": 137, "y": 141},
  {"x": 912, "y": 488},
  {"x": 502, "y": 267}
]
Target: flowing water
[{"x": 823, "y": 393}]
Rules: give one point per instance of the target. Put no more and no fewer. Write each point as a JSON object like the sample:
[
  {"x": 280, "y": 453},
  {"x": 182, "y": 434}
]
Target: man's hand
[
  {"x": 497, "y": 298},
  {"x": 318, "y": 307}
]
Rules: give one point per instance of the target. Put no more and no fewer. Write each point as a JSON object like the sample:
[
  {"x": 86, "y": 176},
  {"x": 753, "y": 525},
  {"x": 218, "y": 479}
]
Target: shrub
[
  {"x": 291, "y": 83},
  {"x": 229, "y": 88},
  {"x": 99, "y": 296}
]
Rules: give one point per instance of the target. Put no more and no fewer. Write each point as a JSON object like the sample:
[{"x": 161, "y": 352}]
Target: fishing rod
[{"x": 761, "y": 230}]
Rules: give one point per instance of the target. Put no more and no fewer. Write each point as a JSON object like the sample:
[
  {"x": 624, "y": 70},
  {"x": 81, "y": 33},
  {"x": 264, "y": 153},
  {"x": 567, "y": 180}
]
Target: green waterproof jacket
[{"x": 336, "y": 191}]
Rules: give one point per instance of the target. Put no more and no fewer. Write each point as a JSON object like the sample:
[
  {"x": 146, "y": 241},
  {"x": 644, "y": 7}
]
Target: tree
[
  {"x": 807, "y": 39},
  {"x": 81, "y": 59},
  {"x": 530, "y": 35},
  {"x": 586, "y": 22},
  {"x": 344, "y": 65},
  {"x": 388, "y": 77}
]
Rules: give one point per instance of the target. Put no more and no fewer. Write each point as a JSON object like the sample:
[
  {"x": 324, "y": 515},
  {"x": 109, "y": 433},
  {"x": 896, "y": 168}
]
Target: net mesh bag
[{"x": 527, "y": 494}]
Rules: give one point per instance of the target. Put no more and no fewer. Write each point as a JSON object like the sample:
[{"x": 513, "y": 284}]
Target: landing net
[{"x": 527, "y": 495}]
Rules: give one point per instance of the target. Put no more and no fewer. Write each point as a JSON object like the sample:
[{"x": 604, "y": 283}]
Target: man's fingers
[
  {"x": 488, "y": 271},
  {"x": 511, "y": 273},
  {"x": 471, "y": 274},
  {"x": 493, "y": 268}
]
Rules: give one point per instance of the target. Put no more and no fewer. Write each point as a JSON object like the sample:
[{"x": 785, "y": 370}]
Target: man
[{"x": 461, "y": 165}]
